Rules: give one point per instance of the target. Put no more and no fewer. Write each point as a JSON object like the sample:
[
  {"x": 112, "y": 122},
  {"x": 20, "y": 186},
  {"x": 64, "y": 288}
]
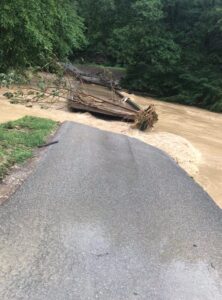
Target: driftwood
[
  {"x": 124, "y": 108},
  {"x": 146, "y": 118},
  {"x": 82, "y": 101}
]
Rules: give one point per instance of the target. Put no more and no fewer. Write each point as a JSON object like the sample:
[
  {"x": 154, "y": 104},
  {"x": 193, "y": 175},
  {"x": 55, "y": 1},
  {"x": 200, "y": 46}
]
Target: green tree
[
  {"x": 35, "y": 31},
  {"x": 99, "y": 17},
  {"x": 171, "y": 48}
]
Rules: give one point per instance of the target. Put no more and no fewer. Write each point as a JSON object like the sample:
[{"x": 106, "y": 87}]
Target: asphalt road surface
[{"x": 104, "y": 216}]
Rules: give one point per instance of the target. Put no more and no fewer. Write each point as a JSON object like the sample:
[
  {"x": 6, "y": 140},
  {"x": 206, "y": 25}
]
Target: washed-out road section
[{"x": 107, "y": 217}]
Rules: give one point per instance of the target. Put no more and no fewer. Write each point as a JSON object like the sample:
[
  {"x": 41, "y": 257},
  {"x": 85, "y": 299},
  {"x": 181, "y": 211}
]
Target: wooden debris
[
  {"x": 132, "y": 103},
  {"x": 124, "y": 108},
  {"x": 146, "y": 118},
  {"x": 82, "y": 101}
]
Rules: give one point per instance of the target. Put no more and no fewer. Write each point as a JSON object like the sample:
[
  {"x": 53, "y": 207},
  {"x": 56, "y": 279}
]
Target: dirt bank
[{"x": 191, "y": 136}]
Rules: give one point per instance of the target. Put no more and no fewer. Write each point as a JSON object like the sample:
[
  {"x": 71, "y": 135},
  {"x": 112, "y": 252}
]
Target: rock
[{"x": 29, "y": 105}]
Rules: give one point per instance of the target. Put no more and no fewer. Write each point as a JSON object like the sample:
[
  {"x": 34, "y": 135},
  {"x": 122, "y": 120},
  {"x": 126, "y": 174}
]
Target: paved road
[{"x": 107, "y": 217}]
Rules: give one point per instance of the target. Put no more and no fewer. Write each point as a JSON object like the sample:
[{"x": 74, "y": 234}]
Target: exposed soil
[{"x": 190, "y": 135}]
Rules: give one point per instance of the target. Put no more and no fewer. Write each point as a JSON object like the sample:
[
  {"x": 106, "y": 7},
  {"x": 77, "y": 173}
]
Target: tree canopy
[
  {"x": 170, "y": 48},
  {"x": 36, "y": 31}
]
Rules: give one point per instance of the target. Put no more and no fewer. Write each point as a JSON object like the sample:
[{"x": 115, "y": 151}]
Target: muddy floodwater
[
  {"x": 192, "y": 136},
  {"x": 203, "y": 129}
]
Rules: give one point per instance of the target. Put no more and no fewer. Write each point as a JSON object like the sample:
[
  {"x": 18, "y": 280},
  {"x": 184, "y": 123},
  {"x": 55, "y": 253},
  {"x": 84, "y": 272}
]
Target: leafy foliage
[
  {"x": 171, "y": 48},
  {"x": 36, "y": 32},
  {"x": 10, "y": 78}
]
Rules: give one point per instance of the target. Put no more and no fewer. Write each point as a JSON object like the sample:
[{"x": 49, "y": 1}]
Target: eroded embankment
[{"x": 191, "y": 136}]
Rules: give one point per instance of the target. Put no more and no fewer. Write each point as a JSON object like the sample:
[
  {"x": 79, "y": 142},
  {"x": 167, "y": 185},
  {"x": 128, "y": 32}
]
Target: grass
[{"x": 19, "y": 138}]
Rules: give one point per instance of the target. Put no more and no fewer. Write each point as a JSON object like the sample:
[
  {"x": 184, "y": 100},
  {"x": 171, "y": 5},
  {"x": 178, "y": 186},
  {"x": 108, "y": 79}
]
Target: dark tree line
[{"x": 170, "y": 48}]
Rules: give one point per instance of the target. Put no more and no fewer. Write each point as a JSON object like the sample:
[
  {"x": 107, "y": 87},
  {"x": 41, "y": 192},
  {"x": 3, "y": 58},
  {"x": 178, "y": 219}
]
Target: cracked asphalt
[{"x": 104, "y": 216}]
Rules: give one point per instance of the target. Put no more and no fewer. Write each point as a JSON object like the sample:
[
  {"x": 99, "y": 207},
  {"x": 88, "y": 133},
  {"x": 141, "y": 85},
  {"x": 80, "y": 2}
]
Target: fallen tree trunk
[
  {"x": 83, "y": 101},
  {"x": 124, "y": 108}
]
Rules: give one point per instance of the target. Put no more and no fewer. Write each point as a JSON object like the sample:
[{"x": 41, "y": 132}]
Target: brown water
[
  {"x": 203, "y": 129},
  {"x": 193, "y": 137}
]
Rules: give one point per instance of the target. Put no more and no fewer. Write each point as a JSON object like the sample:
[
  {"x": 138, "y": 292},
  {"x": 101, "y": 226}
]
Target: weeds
[{"x": 19, "y": 138}]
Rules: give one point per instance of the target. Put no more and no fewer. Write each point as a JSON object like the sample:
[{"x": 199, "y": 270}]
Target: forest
[{"x": 171, "y": 49}]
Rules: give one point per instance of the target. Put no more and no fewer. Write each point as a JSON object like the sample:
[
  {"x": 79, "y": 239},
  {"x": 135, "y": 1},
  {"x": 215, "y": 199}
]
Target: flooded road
[
  {"x": 203, "y": 129},
  {"x": 192, "y": 136}
]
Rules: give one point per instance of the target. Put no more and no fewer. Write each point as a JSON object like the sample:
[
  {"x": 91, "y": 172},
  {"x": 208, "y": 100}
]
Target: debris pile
[
  {"x": 121, "y": 107},
  {"x": 80, "y": 100},
  {"x": 146, "y": 118}
]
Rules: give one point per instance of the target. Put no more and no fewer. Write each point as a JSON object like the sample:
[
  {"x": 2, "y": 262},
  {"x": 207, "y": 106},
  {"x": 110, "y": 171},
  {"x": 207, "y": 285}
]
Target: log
[
  {"x": 82, "y": 101},
  {"x": 124, "y": 108},
  {"x": 99, "y": 110},
  {"x": 132, "y": 103}
]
